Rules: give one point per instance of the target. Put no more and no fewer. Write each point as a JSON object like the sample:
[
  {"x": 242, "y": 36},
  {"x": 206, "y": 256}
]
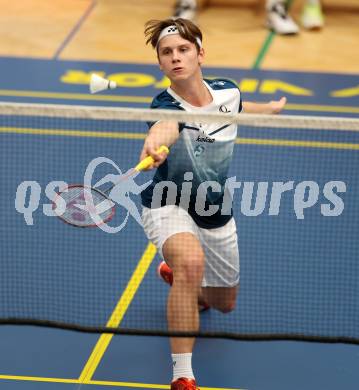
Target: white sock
[{"x": 182, "y": 366}]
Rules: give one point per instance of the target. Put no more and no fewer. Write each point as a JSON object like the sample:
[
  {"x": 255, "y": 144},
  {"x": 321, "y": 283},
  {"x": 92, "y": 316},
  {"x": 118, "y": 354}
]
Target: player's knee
[{"x": 190, "y": 271}]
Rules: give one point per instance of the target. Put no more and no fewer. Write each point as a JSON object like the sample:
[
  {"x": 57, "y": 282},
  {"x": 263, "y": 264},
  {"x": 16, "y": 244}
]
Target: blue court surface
[{"x": 45, "y": 358}]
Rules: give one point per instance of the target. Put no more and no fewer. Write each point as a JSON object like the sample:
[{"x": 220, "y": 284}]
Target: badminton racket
[{"x": 83, "y": 206}]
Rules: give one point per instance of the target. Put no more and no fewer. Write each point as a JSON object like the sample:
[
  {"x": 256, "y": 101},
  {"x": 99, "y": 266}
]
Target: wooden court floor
[{"x": 112, "y": 30}]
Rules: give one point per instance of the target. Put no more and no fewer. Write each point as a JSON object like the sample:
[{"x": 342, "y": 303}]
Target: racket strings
[{"x": 89, "y": 214}]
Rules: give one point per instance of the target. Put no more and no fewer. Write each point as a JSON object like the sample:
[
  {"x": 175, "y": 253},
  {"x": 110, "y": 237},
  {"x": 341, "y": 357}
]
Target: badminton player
[{"x": 197, "y": 242}]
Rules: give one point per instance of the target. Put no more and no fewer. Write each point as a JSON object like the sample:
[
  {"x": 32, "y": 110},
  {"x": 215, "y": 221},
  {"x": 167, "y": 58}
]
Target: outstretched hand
[{"x": 276, "y": 106}]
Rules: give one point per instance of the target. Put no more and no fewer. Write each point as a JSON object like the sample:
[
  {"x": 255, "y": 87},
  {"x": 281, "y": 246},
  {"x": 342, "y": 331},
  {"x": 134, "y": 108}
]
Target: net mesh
[{"x": 299, "y": 272}]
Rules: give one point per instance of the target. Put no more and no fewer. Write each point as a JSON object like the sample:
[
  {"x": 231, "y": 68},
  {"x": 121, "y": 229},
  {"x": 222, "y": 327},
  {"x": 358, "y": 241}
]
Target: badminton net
[{"x": 295, "y": 203}]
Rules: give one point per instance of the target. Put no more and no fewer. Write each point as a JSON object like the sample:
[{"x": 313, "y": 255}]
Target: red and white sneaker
[
  {"x": 166, "y": 274},
  {"x": 184, "y": 384}
]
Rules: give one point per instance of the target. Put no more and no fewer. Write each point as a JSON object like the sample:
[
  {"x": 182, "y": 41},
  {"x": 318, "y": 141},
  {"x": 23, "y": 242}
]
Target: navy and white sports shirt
[{"x": 203, "y": 149}]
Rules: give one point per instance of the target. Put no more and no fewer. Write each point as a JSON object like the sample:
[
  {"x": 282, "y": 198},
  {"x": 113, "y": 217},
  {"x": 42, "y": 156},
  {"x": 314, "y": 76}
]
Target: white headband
[{"x": 171, "y": 30}]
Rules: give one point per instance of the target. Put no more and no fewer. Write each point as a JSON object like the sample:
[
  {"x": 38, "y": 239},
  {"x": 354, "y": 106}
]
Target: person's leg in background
[
  {"x": 278, "y": 18},
  {"x": 185, "y": 9},
  {"x": 312, "y": 15}
]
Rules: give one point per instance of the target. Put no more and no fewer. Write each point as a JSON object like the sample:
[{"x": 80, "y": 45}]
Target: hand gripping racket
[{"x": 83, "y": 206}]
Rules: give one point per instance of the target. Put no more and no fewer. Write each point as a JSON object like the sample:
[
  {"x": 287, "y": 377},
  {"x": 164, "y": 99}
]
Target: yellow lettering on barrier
[
  {"x": 142, "y": 80},
  {"x": 132, "y": 80},
  {"x": 78, "y": 76},
  {"x": 273, "y": 86},
  {"x": 347, "y": 92},
  {"x": 248, "y": 85}
]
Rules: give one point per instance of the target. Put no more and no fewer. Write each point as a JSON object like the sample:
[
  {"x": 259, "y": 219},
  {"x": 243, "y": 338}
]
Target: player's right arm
[
  {"x": 161, "y": 133},
  {"x": 272, "y": 107}
]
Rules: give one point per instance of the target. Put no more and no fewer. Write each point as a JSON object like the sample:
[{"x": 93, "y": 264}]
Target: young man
[{"x": 200, "y": 247}]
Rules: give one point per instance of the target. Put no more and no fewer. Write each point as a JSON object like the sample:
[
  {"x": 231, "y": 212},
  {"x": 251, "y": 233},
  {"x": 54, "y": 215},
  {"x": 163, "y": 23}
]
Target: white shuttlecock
[{"x": 98, "y": 83}]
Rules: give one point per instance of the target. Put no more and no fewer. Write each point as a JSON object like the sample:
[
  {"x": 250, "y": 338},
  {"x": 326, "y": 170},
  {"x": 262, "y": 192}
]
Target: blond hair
[{"x": 187, "y": 30}]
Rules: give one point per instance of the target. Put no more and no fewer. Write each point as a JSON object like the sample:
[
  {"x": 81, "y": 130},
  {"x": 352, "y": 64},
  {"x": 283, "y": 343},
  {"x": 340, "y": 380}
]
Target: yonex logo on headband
[{"x": 171, "y": 30}]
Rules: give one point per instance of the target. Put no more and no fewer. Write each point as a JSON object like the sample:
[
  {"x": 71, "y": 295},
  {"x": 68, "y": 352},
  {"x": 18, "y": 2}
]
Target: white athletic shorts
[{"x": 220, "y": 245}]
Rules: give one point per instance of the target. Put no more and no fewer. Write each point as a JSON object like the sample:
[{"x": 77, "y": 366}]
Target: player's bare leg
[{"x": 185, "y": 256}]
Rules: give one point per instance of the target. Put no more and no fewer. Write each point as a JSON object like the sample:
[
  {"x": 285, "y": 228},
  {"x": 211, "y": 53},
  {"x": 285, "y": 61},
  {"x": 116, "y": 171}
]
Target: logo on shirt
[
  {"x": 224, "y": 109},
  {"x": 205, "y": 139}
]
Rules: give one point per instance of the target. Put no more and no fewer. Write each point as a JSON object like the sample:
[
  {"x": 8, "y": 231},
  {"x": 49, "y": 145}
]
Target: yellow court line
[
  {"x": 316, "y": 107},
  {"x": 124, "y": 135},
  {"x": 301, "y": 144},
  {"x": 127, "y": 384},
  {"x": 75, "y": 96},
  {"x": 72, "y": 133},
  {"x": 118, "y": 313},
  {"x": 148, "y": 99},
  {"x": 37, "y": 379},
  {"x": 150, "y": 386},
  {"x": 98, "y": 383}
]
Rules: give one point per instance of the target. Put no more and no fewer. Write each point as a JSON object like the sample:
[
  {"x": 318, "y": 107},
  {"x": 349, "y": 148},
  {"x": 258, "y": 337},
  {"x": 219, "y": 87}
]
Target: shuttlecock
[{"x": 98, "y": 83}]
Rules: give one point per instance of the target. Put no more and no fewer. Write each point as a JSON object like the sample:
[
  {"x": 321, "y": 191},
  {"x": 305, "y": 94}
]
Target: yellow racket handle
[{"x": 148, "y": 161}]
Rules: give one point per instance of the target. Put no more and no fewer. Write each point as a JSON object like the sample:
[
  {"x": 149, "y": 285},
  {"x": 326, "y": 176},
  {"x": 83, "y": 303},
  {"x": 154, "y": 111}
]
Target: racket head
[{"x": 83, "y": 206}]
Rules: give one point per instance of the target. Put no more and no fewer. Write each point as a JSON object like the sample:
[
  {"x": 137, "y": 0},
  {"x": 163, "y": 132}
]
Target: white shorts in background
[{"x": 220, "y": 245}]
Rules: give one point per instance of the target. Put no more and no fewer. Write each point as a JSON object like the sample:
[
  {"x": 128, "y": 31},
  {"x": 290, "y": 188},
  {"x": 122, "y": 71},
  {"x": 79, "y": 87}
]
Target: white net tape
[{"x": 113, "y": 113}]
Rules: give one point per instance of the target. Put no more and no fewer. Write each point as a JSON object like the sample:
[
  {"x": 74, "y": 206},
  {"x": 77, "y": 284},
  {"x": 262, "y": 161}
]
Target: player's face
[{"x": 178, "y": 58}]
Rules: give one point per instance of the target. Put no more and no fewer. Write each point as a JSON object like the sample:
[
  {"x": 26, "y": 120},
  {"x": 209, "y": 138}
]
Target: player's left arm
[{"x": 272, "y": 107}]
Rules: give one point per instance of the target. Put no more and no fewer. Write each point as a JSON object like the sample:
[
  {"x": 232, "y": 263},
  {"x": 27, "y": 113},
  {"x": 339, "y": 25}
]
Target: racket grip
[{"x": 148, "y": 161}]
